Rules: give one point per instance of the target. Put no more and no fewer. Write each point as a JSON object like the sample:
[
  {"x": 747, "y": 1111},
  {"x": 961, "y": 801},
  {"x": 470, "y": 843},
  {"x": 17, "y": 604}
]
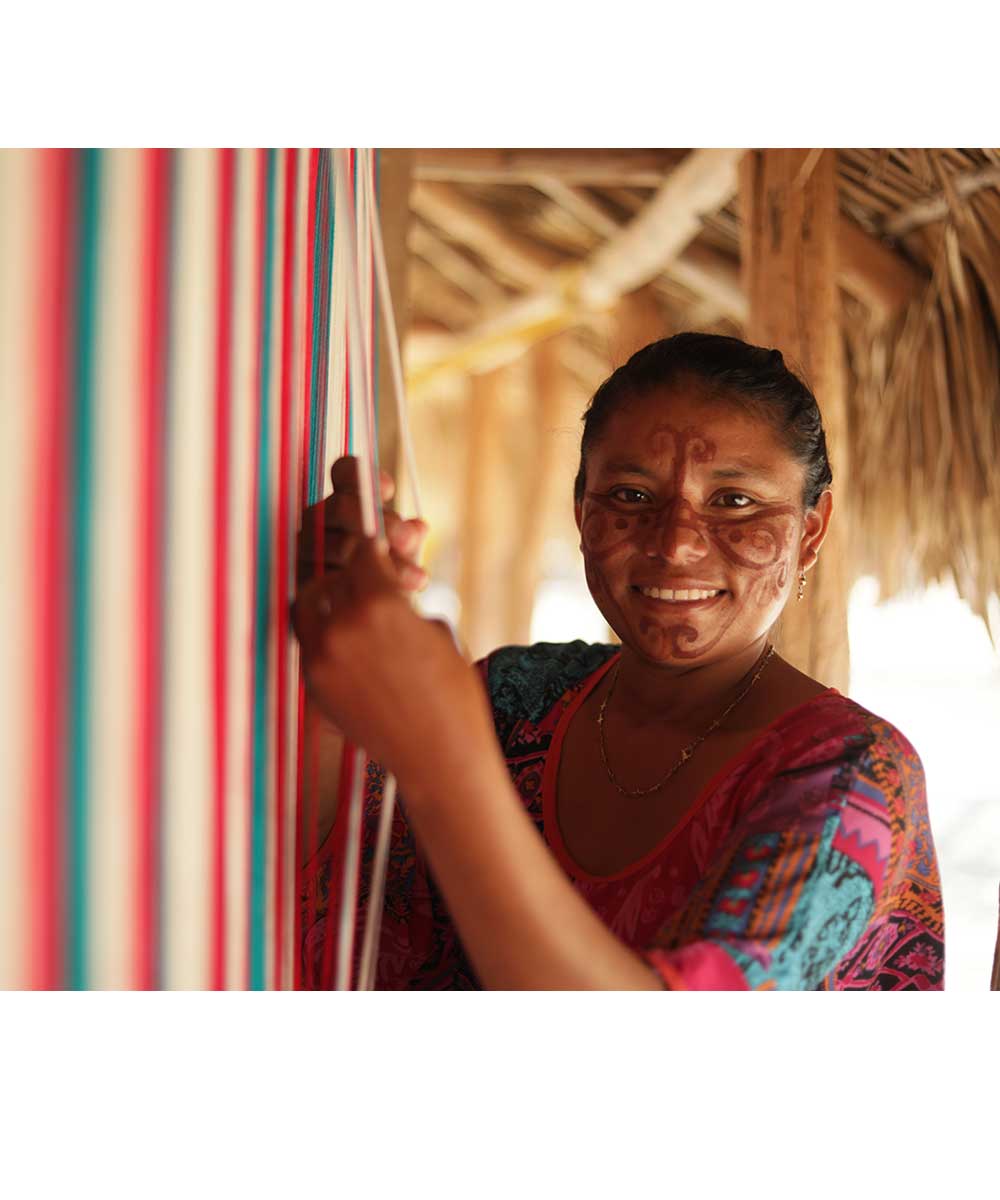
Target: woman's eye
[
  {"x": 743, "y": 501},
  {"x": 629, "y": 495}
]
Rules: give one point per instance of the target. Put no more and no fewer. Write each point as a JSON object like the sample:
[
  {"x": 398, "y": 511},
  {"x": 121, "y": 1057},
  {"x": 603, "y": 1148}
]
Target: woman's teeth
[{"x": 681, "y": 594}]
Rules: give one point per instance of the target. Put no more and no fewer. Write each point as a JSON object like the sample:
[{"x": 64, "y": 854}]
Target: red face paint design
[{"x": 657, "y": 518}]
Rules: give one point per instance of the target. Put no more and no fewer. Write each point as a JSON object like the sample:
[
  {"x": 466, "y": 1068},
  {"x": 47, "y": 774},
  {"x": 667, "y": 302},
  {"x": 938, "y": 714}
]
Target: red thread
[
  {"x": 257, "y": 276},
  {"x": 284, "y": 533},
  {"x": 53, "y": 365},
  {"x": 152, "y": 402},
  {"x": 305, "y": 461}
]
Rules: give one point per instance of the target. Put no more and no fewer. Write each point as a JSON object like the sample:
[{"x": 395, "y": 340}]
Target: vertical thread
[
  {"x": 81, "y": 510},
  {"x": 48, "y": 765},
  {"x": 225, "y": 219},
  {"x": 262, "y": 576},
  {"x": 282, "y": 576},
  {"x": 373, "y": 167},
  {"x": 153, "y": 392},
  {"x": 308, "y": 438}
]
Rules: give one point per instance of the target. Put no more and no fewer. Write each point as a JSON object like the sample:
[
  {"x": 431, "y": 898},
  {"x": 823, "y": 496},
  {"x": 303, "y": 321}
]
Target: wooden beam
[
  {"x": 869, "y": 270},
  {"x": 703, "y": 183},
  {"x": 936, "y": 208},
  {"x": 525, "y": 263},
  {"x": 874, "y": 273},
  {"x": 641, "y": 250},
  {"x": 790, "y": 232},
  {"x": 440, "y": 299},
  {"x": 574, "y": 200},
  {"x": 634, "y": 168},
  {"x": 453, "y": 265},
  {"x": 715, "y": 277},
  {"x": 707, "y": 272}
]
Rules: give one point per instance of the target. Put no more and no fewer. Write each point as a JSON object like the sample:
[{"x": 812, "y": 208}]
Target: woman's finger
[
  {"x": 334, "y": 545},
  {"x": 345, "y": 477},
  {"x": 410, "y": 576},
  {"x": 342, "y": 518}
]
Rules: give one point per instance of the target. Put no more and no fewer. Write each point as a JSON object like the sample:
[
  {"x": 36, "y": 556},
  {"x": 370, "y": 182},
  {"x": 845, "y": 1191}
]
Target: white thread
[
  {"x": 366, "y": 218},
  {"x": 392, "y": 343},
  {"x": 352, "y": 864},
  {"x": 376, "y": 891},
  {"x": 358, "y": 366}
]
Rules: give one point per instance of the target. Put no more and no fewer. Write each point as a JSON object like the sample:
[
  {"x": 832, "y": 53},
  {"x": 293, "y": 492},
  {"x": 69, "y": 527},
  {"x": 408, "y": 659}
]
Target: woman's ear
[{"x": 817, "y": 522}]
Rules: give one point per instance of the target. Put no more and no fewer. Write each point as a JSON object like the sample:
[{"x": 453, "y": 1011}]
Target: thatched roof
[{"x": 920, "y": 279}]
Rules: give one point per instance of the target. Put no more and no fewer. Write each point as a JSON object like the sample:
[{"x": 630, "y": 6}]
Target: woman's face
[{"x": 688, "y": 495}]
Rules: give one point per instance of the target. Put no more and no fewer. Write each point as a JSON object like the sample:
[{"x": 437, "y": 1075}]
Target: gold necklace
[{"x": 688, "y": 750}]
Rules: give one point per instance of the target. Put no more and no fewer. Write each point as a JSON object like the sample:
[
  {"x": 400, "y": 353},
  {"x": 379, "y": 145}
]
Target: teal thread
[
  {"x": 174, "y": 162},
  {"x": 258, "y": 863},
  {"x": 82, "y": 513}
]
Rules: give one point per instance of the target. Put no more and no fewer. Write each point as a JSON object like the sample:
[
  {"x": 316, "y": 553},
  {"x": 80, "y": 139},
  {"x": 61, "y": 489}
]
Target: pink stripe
[
  {"x": 284, "y": 532},
  {"x": 152, "y": 399},
  {"x": 300, "y": 768},
  {"x": 220, "y": 589},
  {"x": 54, "y": 316},
  {"x": 257, "y": 284}
]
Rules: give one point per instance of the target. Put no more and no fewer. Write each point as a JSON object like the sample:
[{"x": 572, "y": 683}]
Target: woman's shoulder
[
  {"x": 831, "y": 727},
  {"x": 526, "y": 681}
]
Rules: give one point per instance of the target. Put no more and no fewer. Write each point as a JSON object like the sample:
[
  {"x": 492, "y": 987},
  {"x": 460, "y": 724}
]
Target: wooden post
[
  {"x": 637, "y": 321},
  {"x": 394, "y": 180},
  {"x": 485, "y": 519},
  {"x": 789, "y": 247},
  {"x": 538, "y": 481}
]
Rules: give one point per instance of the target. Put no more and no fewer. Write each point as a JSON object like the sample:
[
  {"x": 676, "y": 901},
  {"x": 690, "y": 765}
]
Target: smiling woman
[{"x": 686, "y": 811}]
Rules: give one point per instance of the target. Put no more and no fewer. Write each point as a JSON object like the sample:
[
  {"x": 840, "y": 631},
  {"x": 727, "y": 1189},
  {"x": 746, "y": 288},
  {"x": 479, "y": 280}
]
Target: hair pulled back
[{"x": 728, "y": 369}]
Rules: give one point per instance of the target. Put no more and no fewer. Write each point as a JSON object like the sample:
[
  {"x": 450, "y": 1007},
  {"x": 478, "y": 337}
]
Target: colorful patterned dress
[{"x": 807, "y": 862}]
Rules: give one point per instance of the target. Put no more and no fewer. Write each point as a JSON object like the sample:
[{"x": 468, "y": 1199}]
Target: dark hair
[{"x": 728, "y": 369}]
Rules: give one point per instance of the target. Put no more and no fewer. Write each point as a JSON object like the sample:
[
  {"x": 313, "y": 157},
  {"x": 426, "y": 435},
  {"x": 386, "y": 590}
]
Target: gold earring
[{"x": 802, "y": 585}]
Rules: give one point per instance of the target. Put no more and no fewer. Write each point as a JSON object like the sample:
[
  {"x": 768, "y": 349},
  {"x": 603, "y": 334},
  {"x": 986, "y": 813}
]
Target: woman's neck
[{"x": 646, "y": 692}]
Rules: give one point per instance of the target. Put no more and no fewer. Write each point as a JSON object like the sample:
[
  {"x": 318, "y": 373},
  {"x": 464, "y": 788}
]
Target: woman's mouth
[{"x": 680, "y": 596}]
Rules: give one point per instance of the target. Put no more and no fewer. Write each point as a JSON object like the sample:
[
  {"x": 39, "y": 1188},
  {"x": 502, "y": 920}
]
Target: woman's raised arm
[
  {"x": 394, "y": 683},
  {"x": 328, "y": 537}
]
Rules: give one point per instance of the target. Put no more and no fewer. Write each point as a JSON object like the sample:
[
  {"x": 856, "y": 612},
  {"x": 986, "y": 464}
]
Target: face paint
[{"x": 655, "y": 520}]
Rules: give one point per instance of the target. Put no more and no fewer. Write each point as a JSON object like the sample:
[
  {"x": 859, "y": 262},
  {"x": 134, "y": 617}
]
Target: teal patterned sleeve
[{"x": 829, "y": 881}]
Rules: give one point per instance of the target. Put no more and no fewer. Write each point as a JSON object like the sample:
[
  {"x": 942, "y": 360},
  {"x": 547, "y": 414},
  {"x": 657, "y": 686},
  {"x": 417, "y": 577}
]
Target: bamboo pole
[{"x": 790, "y": 222}]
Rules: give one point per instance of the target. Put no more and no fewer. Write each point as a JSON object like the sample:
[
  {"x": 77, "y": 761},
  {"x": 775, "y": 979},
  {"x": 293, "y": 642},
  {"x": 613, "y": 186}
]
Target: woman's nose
[{"x": 676, "y": 536}]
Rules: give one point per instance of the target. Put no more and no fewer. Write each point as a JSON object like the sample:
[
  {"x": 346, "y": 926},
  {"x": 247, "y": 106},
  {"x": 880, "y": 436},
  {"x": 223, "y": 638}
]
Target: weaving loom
[{"x": 187, "y": 342}]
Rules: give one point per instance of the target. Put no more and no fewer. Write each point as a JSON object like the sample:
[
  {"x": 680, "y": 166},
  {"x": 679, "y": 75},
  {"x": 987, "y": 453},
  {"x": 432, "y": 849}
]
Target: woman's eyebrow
[
  {"x": 630, "y": 468},
  {"x": 747, "y": 470}
]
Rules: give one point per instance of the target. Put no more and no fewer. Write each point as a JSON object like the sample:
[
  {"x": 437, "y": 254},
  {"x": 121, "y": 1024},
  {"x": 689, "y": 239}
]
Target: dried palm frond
[{"x": 925, "y": 415}]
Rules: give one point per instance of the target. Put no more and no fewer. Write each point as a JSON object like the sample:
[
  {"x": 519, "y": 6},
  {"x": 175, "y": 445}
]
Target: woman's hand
[
  {"x": 389, "y": 679},
  {"x": 332, "y": 529}
]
